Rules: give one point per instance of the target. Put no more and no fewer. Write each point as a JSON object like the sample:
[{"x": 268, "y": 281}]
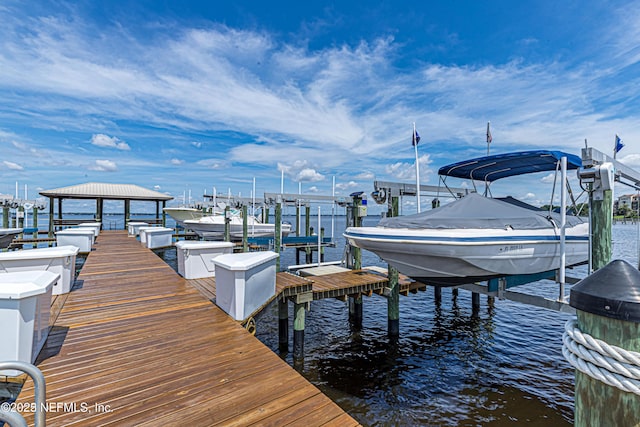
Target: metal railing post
[{"x": 40, "y": 392}]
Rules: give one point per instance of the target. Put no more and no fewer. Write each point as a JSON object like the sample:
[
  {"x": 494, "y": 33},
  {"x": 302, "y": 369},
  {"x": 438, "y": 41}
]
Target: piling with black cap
[{"x": 607, "y": 305}]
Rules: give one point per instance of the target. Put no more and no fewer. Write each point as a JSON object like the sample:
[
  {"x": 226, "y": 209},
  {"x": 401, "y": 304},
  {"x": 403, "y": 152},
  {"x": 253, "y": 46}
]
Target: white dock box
[
  {"x": 60, "y": 260},
  {"x": 245, "y": 282},
  {"x": 195, "y": 259},
  {"x": 158, "y": 237},
  {"x": 134, "y": 228},
  {"x": 25, "y": 304},
  {"x": 80, "y": 237},
  {"x": 95, "y": 225},
  {"x": 142, "y": 231}
]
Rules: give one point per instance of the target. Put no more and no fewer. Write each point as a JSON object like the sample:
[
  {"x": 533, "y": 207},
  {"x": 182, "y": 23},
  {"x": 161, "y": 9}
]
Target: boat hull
[
  {"x": 450, "y": 257},
  {"x": 7, "y": 235},
  {"x": 182, "y": 214}
]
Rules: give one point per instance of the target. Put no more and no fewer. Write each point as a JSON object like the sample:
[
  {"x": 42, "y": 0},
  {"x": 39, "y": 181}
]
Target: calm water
[
  {"x": 450, "y": 367},
  {"x": 503, "y": 366}
]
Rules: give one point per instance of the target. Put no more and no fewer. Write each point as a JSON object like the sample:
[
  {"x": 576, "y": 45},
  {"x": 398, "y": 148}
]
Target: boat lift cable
[{"x": 612, "y": 365}]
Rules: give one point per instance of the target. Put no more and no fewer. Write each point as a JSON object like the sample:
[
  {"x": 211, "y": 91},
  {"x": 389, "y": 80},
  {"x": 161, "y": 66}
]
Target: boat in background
[
  {"x": 183, "y": 213},
  {"x": 211, "y": 227},
  {"x": 476, "y": 238},
  {"x": 7, "y": 235}
]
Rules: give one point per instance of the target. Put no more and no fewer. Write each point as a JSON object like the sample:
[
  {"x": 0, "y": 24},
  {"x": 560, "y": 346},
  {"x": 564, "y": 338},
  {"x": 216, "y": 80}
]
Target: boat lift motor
[{"x": 600, "y": 176}]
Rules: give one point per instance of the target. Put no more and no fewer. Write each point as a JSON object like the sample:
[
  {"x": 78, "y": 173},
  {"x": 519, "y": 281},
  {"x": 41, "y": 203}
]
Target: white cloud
[
  {"x": 407, "y": 171},
  {"x": 102, "y": 140},
  {"x": 365, "y": 175},
  {"x": 309, "y": 175},
  {"x": 631, "y": 160},
  {"x": 347, "y": 185},
  {"x": 213, "y": 163},
  {"x": 548, "y": 179},
  {"x": 176, "y": 162},
  {"x": 104, "y": 166},
  {"x": 196, "y": 144},
  {"x": 12, "y": 166},
  {"x": 301, "y": 171}
]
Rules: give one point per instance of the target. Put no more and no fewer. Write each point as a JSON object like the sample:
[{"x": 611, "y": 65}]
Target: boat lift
[
  {"x": 599, "y": 171},
  {"x": 384, "y": 191}
]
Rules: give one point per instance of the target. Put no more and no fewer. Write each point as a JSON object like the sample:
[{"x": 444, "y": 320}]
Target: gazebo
[{"x": 100, "y": 192}]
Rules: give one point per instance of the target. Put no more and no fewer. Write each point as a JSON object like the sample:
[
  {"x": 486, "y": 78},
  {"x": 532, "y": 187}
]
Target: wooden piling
[
  {"x": 5, "y": 217},
  {"x": 393, "y": 300},
  {"x": 355, "y": 310},
  {"x": 283, "y": 324},
  {"x": 227, "y": 224},
  {"x": 601, "y": 222},
  {"x": 475, "y": 303},
  {"x": 278, "y": 234},
  {"x": 298, "y": 330},
  {"x": 20, "y": 217},
  {"x": 245, "y": 231},
  {"x": 606, "y": 306},
  {"x": 308, "y": 230},
  {"x": 437, "y": 294}
]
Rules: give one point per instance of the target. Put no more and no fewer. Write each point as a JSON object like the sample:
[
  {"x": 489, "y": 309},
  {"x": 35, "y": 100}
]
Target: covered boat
[{"x": 476, "y": 237}]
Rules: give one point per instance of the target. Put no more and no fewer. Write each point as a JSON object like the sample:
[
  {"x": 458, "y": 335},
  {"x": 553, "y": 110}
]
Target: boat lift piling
[
  {"x": 599, "y": 172},
  {"x": 355, "y": 213},
  {"x": 393, "y": 297}
]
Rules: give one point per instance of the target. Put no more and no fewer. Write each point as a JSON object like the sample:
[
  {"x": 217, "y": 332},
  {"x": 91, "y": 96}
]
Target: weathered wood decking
[{"x": 136, "y": 344}]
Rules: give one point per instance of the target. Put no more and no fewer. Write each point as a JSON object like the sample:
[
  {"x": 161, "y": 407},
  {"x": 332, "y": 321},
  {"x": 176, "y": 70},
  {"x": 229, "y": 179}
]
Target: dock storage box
[
  {"x": 25, "y": 304},
  {"x": 195, "y": 259},
  {"x": 134, "y": 228},
  {"x": 80, "y": 237},
  {"x": 95, "y": 225},
  {"x": 60, "y": 260},
  {"x": 142, "y": 231},
  {"x": 245, "y": 282},
  {"x": 158, "y": 237}
]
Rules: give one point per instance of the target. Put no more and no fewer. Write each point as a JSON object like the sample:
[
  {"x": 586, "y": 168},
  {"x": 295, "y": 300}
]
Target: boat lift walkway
[{"x": 135, "y": 344}]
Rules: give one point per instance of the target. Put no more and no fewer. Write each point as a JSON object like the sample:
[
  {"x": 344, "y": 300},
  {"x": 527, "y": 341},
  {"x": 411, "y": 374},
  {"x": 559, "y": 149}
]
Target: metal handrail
[
  {"x": 40, "y": 394},
  {"x": 13, "y": 418}
]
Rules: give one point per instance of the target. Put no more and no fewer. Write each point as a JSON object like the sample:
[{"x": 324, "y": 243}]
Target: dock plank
[{"x": 136, "y": 344}]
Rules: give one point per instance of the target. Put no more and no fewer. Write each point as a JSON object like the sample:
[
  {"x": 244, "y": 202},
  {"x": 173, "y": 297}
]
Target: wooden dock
[
  {"x": 336, "y": 285},
  {"x": 136, "y": 344}
]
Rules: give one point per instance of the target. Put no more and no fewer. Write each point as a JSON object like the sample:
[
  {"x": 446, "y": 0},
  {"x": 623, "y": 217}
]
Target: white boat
[
  {"x": 7, "y": 235},
  {"x": 212, "y": 227},
  {"x": 476, "y": 237},
  {"x": 183, "y": 213}
]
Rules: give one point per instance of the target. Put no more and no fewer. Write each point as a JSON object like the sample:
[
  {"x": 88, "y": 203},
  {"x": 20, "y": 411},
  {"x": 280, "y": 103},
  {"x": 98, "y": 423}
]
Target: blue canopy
[{"x": 491, "y": 168}]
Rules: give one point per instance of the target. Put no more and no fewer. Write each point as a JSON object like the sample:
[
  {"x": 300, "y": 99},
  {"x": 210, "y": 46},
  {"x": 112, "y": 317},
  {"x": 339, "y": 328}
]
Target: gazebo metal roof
[{"x": 99, "y": 190}]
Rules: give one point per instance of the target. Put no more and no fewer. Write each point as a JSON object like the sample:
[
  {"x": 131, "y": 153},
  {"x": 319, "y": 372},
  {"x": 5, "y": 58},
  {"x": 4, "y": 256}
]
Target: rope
[{"x": 612, "y": 365}]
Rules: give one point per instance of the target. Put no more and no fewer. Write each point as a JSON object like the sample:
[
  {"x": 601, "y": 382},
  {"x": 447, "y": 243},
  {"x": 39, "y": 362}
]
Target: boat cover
[
  {"x": 491, "y": 168},
  {"x": 476, "y": 211}
]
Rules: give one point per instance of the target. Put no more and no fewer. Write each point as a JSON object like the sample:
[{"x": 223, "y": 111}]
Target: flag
[
  {"x": 619, "y": 144},
  {"x": 489, "y": 137},
  {"x": 416, "y": 138}
]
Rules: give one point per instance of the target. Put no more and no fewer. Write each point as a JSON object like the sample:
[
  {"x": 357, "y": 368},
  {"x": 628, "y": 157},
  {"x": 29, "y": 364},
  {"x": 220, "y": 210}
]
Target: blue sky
[{"x": 187, "y": 96}]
